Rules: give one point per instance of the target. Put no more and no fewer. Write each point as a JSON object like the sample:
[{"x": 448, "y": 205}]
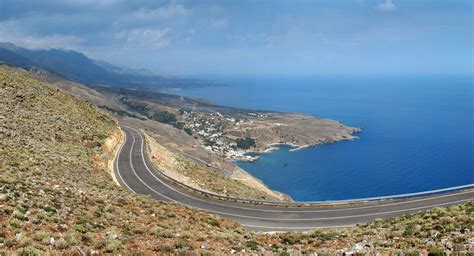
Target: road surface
[{"x": 134, "y": 172}]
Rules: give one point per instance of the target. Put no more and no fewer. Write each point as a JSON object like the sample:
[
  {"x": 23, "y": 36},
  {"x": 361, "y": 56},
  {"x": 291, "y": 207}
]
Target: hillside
[
  {"x": 77, "y": 67},
  {"x": 56, "y": 195},
  {"x": 239, "y": 184}
]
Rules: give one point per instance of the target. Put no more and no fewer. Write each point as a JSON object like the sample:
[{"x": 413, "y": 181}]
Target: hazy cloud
[
  {"x": 165, "y": 12},
  {"x": 157, "y": 38},
  {"x": 387, "y": 6},
  {"x": 10, "y": 32},
  {"x": 93, "y": 2}
]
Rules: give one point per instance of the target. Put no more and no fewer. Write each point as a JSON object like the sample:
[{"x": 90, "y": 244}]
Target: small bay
[{"x": 417, "y": 133}]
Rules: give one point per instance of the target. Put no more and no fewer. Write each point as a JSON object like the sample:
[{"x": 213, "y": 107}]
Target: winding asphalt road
[{"x": 134, "y": 172}]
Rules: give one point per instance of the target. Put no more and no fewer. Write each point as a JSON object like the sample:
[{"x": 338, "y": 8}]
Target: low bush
[
  {"x": 436, "y": 252},
  {"x": 252, "y": 244},
  {"x": 113, "y": 245}
]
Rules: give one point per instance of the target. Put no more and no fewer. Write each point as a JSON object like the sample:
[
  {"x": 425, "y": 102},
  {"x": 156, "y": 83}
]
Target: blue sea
[{"x": 418, "y": 133}]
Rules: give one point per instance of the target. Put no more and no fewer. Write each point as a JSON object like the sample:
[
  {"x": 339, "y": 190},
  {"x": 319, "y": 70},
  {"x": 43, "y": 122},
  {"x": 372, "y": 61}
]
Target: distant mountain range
[{"x": 77, "y": 67}]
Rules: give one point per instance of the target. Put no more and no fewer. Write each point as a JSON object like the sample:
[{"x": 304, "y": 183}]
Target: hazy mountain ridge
[
  {"x": 76, "y": 66},
  {"x": 123, "y": 70}
]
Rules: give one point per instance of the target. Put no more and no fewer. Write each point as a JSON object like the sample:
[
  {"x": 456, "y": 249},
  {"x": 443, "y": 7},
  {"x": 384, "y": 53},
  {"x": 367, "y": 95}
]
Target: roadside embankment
[
  {"x": 112, "y": 146},
  {"x": 203, "y": 177}
]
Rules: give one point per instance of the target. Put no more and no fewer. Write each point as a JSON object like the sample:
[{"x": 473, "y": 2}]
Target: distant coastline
[
  {"x": 404, "y": 145},
  {"x": 272, "y": 147}
]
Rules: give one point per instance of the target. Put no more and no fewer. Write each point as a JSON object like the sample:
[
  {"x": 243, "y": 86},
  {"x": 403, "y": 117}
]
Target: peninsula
[
  {"x": 230, "y": 132},
  {"x": 195, "y": 141}
]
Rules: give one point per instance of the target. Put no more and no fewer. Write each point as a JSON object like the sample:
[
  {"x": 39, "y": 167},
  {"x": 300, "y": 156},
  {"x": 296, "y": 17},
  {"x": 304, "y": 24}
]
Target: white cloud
[
  {"x": 387, "y": 6},
  {"x": 157, "y": 38},
  {"x": 11, "y": 32},
  {"x": 165, "y": 12},
  {"x": 48, "y": 41},
  {"x": 102, "y": 3}
]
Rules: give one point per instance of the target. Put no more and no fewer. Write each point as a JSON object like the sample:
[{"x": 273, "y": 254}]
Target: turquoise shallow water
[{"x": 417, "y": 133}]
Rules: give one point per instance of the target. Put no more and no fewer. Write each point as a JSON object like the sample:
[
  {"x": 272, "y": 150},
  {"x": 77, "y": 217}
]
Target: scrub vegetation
[{"x": 57, "y": 197}]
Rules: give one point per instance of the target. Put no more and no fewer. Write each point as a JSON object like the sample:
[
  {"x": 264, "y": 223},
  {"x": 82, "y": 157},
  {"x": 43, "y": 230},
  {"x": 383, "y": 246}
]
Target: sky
[{"x": 295, "y": 38}]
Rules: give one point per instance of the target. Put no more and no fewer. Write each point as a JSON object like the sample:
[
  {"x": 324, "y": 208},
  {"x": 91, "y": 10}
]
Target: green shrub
[
  {"x": 31, "y": 251},
  {"x": 289, "y": 238},
  {"x": 436, "y": 252},
  {"x": 187, "y": 235},
  {"x": 252, "y": 244},
  {"x": 181, "y": 244},
  {"x": 224, "y": 236},
  {"x": 139, "y": 231},
  {"x": 42, "y": 236},
  {"x": 188, "y": 130},
  {"x": 136, "y": 107},
  {"x": 88, "y": 237},
  {"x": 49, "y": 209},
  {"x": 164, "y": 117},
  {"x": 409, "y": 231},
  {"x": 163, "y": 248},
  {"x": 324, "y": 254},
  {"x": 245, "y": 143},
  {"x": 166, "y": 233},
  {"x": 25, "y": 241},
  {"x": 155, "y": 230},
  {"x": 412, "y": 253},
  {"x": 72, "y": 239},
  {"x": 328, "y": 235},
  {"x": 214, "y": 222},
  {"x": 178, "y": 125},
  {"x": 61, "y": 244},
  {"x": 113, "y": 245}
]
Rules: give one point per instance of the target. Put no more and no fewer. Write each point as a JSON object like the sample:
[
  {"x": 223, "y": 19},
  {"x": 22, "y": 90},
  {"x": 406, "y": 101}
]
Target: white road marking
[
  {"x": 286, "y": 209},
  {"x": 263, "y": 218},
  {"x": 118, "y": 168},
  {"x": 412, "y": 209},
  {"x": 296, "y": 228},
  {"x": 136, "y": 175},
  {"x": 367, "y": 199}
]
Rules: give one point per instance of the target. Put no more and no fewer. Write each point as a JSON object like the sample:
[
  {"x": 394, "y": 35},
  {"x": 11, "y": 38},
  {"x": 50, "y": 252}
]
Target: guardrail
[{"x": 301, "y": 203}]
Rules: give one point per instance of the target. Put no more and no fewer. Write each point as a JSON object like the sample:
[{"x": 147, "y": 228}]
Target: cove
[{"x": 417, "y": 133}]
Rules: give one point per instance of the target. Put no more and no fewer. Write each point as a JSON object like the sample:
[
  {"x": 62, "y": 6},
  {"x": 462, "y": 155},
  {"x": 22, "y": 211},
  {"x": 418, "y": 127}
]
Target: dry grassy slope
[
  {"x": 55, "y": 196},
  {"x": 200, "y": 176},
  {"x": 173, "y": 141},
  {"x": 244, "y": 185},
  {"x": 76, "y": 89}
]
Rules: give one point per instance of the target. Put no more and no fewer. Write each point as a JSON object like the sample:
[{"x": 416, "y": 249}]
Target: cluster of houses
[{"x": 209, "y": 129}]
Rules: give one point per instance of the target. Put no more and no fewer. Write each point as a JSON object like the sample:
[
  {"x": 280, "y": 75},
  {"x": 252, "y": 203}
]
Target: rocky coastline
[{"x": 272, "y": 147}]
